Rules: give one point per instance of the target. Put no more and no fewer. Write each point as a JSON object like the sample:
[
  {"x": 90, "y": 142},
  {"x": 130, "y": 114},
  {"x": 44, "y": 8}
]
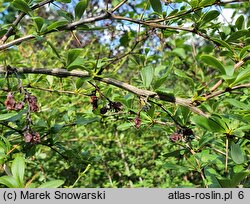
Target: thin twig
[
  {"x": 8, "y": 126},
  {"x": 118, "y": 6},
  {"x": 123, "y": 157},
  {"x": 236, "y": 66},
  {"x": 191, "y": 11},
  {"x": 19, "y": 18},
  {"x": 218, "y": 93},
  {"x": 198, "y": 165},
  {"x": 226, "y": 163},
  {"x": 168, "y": 113},
  {"x": 123, "y": 55},
  {"x": 53, "y": 90}
]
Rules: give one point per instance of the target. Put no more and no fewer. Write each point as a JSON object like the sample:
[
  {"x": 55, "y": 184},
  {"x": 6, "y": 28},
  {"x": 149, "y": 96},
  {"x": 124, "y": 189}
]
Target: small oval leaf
[
  {"x": 125, "y": 126},
  {"x": 239, "y": 23},
  {"x": 21, "y": 5},
  {"x": 156, "y": 5},
  {"x": 209, "y": 16},
  {"x": 237, "y": 153},
  {"x": 80, "y": 8}
]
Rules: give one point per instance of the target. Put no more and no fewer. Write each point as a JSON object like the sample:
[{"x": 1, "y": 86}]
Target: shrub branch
[{"x": 125, "y": 86}]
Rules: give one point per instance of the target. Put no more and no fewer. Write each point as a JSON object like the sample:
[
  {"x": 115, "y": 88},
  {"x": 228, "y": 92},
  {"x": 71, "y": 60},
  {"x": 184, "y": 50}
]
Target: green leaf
[
  {"x": 72, "y": 55},
  {"x": 206, "y": 158},
  {"x": 5, "y": 143},
  {"x": 225, "y": 183},
  {"x": 220, "y": 121},
  {"x": 209, "y": 16},
  {"x": 234, "y": 181},
  {"x": 205, "y": 139},
  {"x": 52, "y": 184},
  {"x": 56, "y": 25},
  {"x": 77, "y": 63},
  {"x": 85, "y": 121},
  {"x": 159, "y": 82},
  {"x": 183, "y": 75},
  {"x": 223, "y": 43},
  {"x": 7, "y": 116},
  {"x": 210, "y": 175},
  {"x": 206, "y": 3},
  {"x": 156, "y": 5},
  {"x": 39, "y": 23},
  {"x": 18, "y": 116},
  {"x": 194, "y": 3},
  {"x": 124, "y": 126},
  {"x": 236, "y": 35},
  {"x": 209, "y": 124},
  {"x": 238, "y": 177},
  {"x": 237, "y": 153},
  {"x": 244, "y": 51},
  {"x": 50, "y": 79},
  {"x": 237, "y": 103},
  {"x": 180, "y": 52},
  {"x": 17, "y": 169},
  {"x": 175, "y": 167},
  {"x": 243, "y": 128},
  {"x": 166, "y": 70},
  {"x": 239, "y": 23},
  {"x": 176, "y": 153},
  {"x": 80, "y": 8},
  {"x": 53, "y": 49},
  {"x": 67, "y": 15},
  {"x": 80, "y": 81},
  {"x": 147, "y": 75},
  {"x": 21, "y": 5},
  {"x": 213, "y": 62},
  {"x": 243, "y": 75},
  {"x": 9, "y": 181}
]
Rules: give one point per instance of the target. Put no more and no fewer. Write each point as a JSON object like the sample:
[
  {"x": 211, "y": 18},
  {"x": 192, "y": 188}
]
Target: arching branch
[{"x": 125, "y": 86}]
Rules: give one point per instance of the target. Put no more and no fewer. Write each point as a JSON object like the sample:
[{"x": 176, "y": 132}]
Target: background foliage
[{"x": 181, "y": 119}]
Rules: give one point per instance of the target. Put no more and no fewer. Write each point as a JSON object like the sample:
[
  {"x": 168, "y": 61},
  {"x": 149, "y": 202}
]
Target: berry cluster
[
  {"x": 185, "y": 133},
  {"x": 111, "y": 106},
  {"x": 31, "y": 100}
]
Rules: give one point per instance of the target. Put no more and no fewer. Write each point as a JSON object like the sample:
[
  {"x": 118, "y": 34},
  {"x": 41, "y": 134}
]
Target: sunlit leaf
[
  {"x": 9, "y": 181},
  {"x": 17, "y": 169},
  {"x": 147, "y": 75},
  {"x": 21, "y": 5},
  {"x": 80, "y": 8},
  {"x": 213, "y": 62},
  {"x": 206, "y": 2},
  {"x": 7, "y": 116},
  {"x": 56, "y": 25}
]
